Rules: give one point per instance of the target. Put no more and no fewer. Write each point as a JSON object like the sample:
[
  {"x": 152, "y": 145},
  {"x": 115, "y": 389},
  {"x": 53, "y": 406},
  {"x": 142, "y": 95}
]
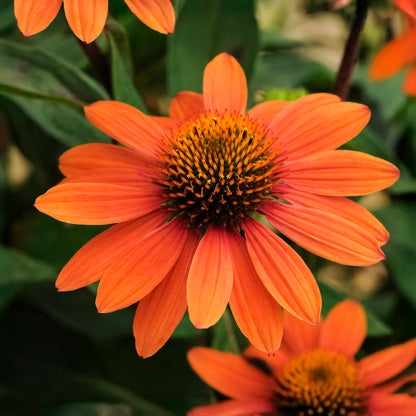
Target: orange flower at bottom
[
  {"x": 313, "y": 373},
  {"x": 399, "y": 53},
  {"x": 87, "y": 17}
]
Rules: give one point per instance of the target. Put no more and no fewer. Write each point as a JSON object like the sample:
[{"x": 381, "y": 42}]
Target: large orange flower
[
  {"x": 399, "y": 53},
  {"x": 313, "y": 373},
  {"x": 87, "y": 17},
  {"x": 188, "y": 193}
]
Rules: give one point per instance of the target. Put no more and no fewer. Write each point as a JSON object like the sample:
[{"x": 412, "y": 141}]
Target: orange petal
[
  {"x": 325, "y": 234},
  {"x": 389, "y": 405},
  {"x": 341, "y": 173},
  {"x": 395, "y": 385},
  {"x": 91, "y": 261},
  {"x": 409, "y": 85},
  {"x": 247, "y": 407},
  {"x": 387, "y": 363},
  {"x": 159, "y": 313},
  {"x": 83, "y": 158},
  {"x": 225, "y": 85},
  {"x": 86, "y": 18},
  {"x": 339, "y": 206},
  {"x": 186, "y": 104},
  {"x": 210, "y": 279},
  {"x": 230, "y": 374},
  {"x": 33, "y": 16},
  {"x": 99, "y": 203},
  {"x": 267, "y": 111},
  {"x": 274, "y": 362},
  {"x": 157, "y": 14},
  {"x": 307, "y": 127},
  {"x": 166, "y": 124},
  {"x": 408, "y": 6},
  {"x": 398, "y": 53},
  {"x": 128, "y": 125},
  {"x": 299, "y": 336},
  {"x": 256, "y": 312},
  {"x": 283, "y": 272},
  {"x": 344, "y": 329},
  {"x": 141, "y": 268}
]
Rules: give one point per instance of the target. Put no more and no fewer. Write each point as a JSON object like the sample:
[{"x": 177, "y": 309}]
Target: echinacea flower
[
  {"x": 313, "y": 373},
  {"x": 399, "y": 52},
  {"x": 87, "y": 17},
  {"x": 188, "y": 191}
]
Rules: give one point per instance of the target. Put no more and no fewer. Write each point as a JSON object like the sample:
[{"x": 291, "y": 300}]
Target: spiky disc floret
[
  {"x": 217, "y": 169},
  {"x": 320, "y": 383}
]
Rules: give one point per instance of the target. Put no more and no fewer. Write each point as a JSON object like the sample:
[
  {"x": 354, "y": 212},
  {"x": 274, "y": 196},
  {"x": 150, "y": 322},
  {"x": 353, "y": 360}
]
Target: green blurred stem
[
  {"x": 98, "y": 62},
  {"x": 352, "y": 47},
  {"x": 228, "y": 322}
]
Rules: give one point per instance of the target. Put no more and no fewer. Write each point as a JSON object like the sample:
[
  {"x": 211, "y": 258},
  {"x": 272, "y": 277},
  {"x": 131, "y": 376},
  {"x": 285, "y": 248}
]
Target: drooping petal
[
  {"x": 81, "y": 159},
  {"x": 409, "y": 84},
  {"x": 86, "y": 18},
  {"x": 33, "y": 16},
  {"x": 382, "y": 365},
  {"x": 230, "y": 374},
  {"x": 133, "y": 276},
  {"x": 127, "y": 125},
  {"x": 186, "y": 104},
  {"x": 92, "y": 260},
  {"x": 283, "y": 272},
  {"x": 225, "y": 85},
  {"x": 159, "y": 15},
  {"x": 398, "y": 53},
  {"x": 325, "y": 234},
  {"x": 256, "y": 312},
  {"x": 247, "y": 407},
  {"x": 344, "y": 329},
  {"x": 159, "y": 313},
  {"x": 305, "y": 127},
  {"x": 339, "y": 206},
  {"x": 99, "y": 203},
  {"x": 267, "y": 111},
  {"x": 210, "y": 278},
  {"x": 408, "y": 6},
  {"x": 395, "y": 385},
  {"x": 299, "y": 336},
  {"x": 389, "y": 405},
  {"x": 341, "y": 173}
]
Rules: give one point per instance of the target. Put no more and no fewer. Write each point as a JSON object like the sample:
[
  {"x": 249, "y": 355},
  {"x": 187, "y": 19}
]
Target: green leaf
[
  {"x": 205, "y": 28},
  {"x": 330, "y": 297},
  {"x": 123, "y": 87},
  {"x": 17, "y": 268},
  {"x": 32, "y": 71},
  {"x": 92, "y": 409},
  {"x": 65, "y": 124},
  {"x": 400, "y": 221},
  {"x": 285, "y": 70}
]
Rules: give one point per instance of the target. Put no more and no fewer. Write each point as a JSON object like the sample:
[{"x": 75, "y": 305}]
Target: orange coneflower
[
  {"x": 313, "y": 373},
  {"x": 400, "y": 52},
  {"x": 87, "y": 17},
  {"x": 188, "y": 191}
]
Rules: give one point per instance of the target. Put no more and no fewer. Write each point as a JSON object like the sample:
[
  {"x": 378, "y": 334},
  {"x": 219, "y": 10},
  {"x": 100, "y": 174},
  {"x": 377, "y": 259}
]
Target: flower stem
[
  {"x": 98, "y": 62},
  {"x": 228, "y": 322},
  {"x": 342, "y": 82}
]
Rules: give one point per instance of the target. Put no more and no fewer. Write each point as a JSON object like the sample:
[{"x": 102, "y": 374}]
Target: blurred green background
[{"x": 58, "y": 356}]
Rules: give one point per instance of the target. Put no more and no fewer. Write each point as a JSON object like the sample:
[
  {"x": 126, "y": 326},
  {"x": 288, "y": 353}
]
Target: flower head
[
  {"x": 87, "y": 17},
  {"x": 313, "y": 373},
  {"x": 187, "y": 193},
  {"x": 399, "y": 52}
]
